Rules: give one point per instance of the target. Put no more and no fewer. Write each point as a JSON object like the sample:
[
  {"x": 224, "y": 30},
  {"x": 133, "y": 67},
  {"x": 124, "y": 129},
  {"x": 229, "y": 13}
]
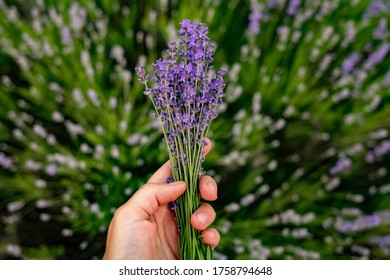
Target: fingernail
[
  {"x": 202, "y": 218},
  {"x": 212, "y": 186},
  {"x": 211, "y": 234}
]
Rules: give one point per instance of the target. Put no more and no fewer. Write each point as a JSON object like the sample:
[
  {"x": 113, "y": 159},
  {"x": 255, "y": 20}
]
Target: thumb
[{"x": 151, "y": 196}]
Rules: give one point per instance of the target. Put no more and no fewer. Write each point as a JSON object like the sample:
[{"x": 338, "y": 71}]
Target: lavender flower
[
  {"x": 51, "y": 169},
  {"x": 5, "y": 162},
  {"x": 170, "y": 179},
  {"x": 376, "y": 8},
  {"x": 382, "y": 149},
  {"x": 14, "y": 250},
  {"x": 381, "y": 241},
  {"x": 343, "y": 164},
  {"x": 66, "y": 37},
  {"x": 173, "y": 205},
  {"x": 293, "y": 6},
  {"x": 364, "y": 222},
  {"x": 350, "y": 63},
  {"x": 379, "y": 151},
  {"x": 254, "y": 22},
  {"x": 377, "y": 56},
  {"x": 273, "y": 4},
  {"x": 370, "y": 157},
  {"x": 185, "y": 96},
  {"x": 381, "y": 30}
]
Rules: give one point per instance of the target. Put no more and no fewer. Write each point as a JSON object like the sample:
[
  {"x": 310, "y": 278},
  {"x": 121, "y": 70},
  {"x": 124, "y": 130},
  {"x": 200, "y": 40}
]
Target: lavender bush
[
  {"x": 185, "y": 97},
  {"x": 313, "y": 137},
  {"x": 301, "y": 150}
]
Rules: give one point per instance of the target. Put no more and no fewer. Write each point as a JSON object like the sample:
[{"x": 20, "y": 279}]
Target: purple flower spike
[
  {"x": 342, "y": 165},
  {"x": 186, "y": 96},
  {"x": 381, "y": 31},
  {"x": 377, "y": 56},
  {"x": 382, "y": 149},
  {"x": 350, "y": 63},
  {"x": 293, "y": 7},
  {"x": 362, "y": 223},
  {"x": 376, "y": 8},
  {"x": 5, "y": 162},
  {"x": 370, "y": 157},
  {"x": 142, "y": 77},
  {"x": 381, "y": 241},
  {"x": 173, "y": 205},
  {"x": 254, "y": 22},
  {"x": 170, "y": 179}
]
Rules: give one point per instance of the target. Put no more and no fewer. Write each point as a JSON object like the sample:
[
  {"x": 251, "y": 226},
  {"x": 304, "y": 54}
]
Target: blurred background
[{"x": 301, "y": 145}]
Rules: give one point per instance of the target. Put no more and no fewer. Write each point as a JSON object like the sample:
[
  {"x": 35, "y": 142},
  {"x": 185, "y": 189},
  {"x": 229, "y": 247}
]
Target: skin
[{"x": 145, "y": 229}]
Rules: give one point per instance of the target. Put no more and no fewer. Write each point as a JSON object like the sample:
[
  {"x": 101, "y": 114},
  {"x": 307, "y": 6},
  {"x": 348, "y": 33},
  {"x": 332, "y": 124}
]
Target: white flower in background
[{"x": 78, "y": 17}]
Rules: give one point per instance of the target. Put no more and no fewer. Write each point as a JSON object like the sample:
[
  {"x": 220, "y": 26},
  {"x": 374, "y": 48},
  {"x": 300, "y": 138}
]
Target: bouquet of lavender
[{"x": 185, "y": 97}]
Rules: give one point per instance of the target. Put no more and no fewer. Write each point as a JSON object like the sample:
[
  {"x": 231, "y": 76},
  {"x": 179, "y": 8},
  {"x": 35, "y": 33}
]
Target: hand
[{"x": 145, "y": 228}]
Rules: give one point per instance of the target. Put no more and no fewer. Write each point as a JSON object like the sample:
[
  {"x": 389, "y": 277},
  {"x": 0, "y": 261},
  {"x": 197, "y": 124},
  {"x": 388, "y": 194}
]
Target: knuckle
[
  {"x": 119, "y": 213},
  {"x": 147, "y": 185}
]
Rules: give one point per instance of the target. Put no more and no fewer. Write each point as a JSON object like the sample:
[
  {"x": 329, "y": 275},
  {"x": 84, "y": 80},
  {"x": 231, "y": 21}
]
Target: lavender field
[{"x": 301, "y": 145}]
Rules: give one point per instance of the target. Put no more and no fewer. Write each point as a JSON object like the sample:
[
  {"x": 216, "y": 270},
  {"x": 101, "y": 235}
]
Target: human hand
[{"x": 145, "y": 228}]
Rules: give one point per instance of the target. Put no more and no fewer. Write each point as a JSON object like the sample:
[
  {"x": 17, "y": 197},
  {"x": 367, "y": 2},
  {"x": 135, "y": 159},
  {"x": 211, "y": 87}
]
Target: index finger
[{"x": 162, "y": 174}]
